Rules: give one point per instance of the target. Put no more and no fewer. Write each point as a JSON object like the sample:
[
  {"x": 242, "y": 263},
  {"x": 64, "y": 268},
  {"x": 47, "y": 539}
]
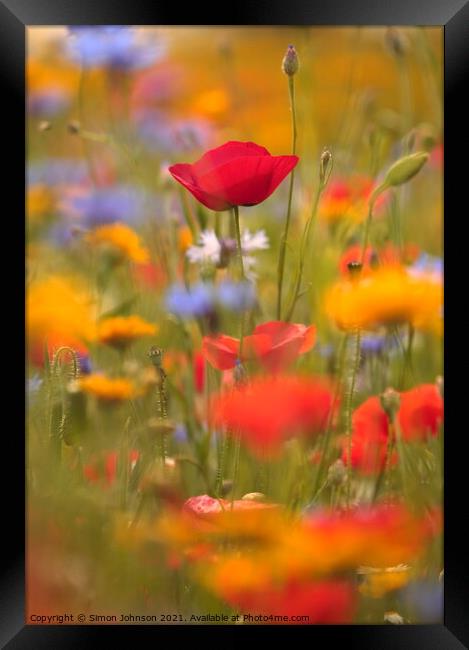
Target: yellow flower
[
  {"x": 59, "y": 305},
  {"x": 40, "y": 201},
  {"x": 387, "y": 296},
  {"x": 107, "y": 389},
  {"x": 121, "y": 331},
  {"x": 212, "y": 103},
  {"x": 121, "y": 239}
]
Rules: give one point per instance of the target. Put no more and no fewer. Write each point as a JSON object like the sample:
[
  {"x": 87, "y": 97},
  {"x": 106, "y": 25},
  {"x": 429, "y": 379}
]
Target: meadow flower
[
  {"x": 421, "y": 412},
  {"x": 389, "y": 296},
  {"x": 121, "y": 331},
  {"x": 51, "y": 172},
  {"x": 347, "y": 198},
  {"x": 275, "y": 345},
  {"x": 149, "y": 275},
  {"x": 322, "y": 602},
  {"x": 378, "y": 582},
  {"x": 203, "y": 299},
  {"x": 419, "y": 416},
  {"x": 116, "y": 47},
  {"x": 159, "y": 133},
  {"x": 50, "y": 88},
  {"x": 120, "y": 239},
  {"x": 75, "y": 319},
  {"x": 190, "y": 303},
  {"x": 427, "y": 266},
  {"x": 105, "y": 206},
  {"x": 106, "y": 389},
  {"x": 40, "y": 202},
  {"x": 236, "y": 173},
  {"x": 388, "y": 255},
  {"x": 269, "y": 410}
]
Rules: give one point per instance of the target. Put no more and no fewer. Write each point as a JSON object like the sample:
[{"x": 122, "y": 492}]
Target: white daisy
[{"x": 208, "y": 250}]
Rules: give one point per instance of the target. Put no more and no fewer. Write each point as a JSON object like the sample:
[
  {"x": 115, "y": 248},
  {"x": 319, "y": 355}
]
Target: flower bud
[
  {"x": 405, "y": 169},
  {"x": 253, "y": 496},
  {"x": 239, "y": 374},
  {"x": 325, "y": 164},
  {"x": 290, "y": 62},
  {"x": 390, "y": 402},
  {"x": 44, "y": 126}
]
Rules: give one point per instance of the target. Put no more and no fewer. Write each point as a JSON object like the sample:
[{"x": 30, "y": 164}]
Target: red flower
[
  {"x": 370, "y": 430},
  {"x": 237, "y": 173},
  {"x": 275, "y": 345},
  {"x": 318, "y": 602},
  {"x": 268, "y": 410},
  {"x": 421, "y": 412},
  {"x": 389, "y": 255},
  {"x": 419, "y": 416},
  {"x": 54, "y": 342},
  {"x": 199, "y": 371}
]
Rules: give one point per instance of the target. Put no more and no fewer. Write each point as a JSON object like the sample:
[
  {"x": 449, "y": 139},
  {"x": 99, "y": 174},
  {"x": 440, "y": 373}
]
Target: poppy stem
[
  {"x": 241, "y": 269},
  {"x": 283, "y": 241},
  {"x": 366, "y": 235}
]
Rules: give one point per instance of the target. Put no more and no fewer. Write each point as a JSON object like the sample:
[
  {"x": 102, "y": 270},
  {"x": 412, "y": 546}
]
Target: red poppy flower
[
  {"x": 268, "y": 410},
  {"x": 237, "y": 173},
  {"x": 199, "y": 371},
  {"x": 421, "y": 412},
  {"x": 318, "y": 602},
  {"x": 275, "y": 345},
  {"x": 370, "y": 431}
]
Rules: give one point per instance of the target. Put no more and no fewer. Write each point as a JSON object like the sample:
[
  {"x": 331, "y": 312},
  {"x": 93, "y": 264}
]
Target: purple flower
[
  {"x": 47, "y": 102},
  {"x": 236, "y": 296},
  {"x": 190, "y": 303},
  {"x": 57, "y": 171},
  {"x": 107, "y": 205},
  {"x": 113, "y": 47},
  {"x": 160, "y": 134}
]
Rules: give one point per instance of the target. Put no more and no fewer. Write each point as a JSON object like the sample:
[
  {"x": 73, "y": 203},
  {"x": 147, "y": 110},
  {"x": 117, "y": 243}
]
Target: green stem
[
  {"x": 241, "y": 269},
  {"x": 407, "y": 356},
  {"x": 304, "y": 241},
  {"x": 348, "y": 413},
  {"x": 283, "y": 241}
]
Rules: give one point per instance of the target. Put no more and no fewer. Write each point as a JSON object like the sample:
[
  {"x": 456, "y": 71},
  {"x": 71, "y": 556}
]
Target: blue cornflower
[
  {"x": 57, "y": 171},
  {"x": 108, "y": 205},
  {"x": 115, "y": 47},
  {"x": 428, "y": 264},
  {"x": 199, "y": 300},
  {"x": 236, "y": 296},
  {"x": 426, "y": 599}
]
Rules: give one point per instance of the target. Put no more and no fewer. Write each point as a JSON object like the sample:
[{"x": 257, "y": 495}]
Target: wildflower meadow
[{"x": 234, "y": 325}]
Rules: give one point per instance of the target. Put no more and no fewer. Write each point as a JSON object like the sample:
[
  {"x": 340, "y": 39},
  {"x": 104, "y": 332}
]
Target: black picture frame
[{"x": 15, "y": 17}]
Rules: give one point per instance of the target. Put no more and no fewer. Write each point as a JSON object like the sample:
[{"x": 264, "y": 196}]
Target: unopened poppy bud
[
  {"x": 325, "y": 164},
  {"x": 337, "y": 473},
  {"x": 44, "y": 126},
  {"x": 405, "y": 169},
  {"x": 396, "y": 42},
  {"x": 390, "y": 402},
  {"x": 74, "y": 127},
  {"x": 440, "y": 385},
  {"x": 253, "y": 496},
  {"x": 290, "y": 62}
]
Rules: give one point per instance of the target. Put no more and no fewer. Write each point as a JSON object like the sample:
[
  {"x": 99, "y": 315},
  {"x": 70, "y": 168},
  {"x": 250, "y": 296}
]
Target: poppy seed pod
[{"x": 290, "y": 63}]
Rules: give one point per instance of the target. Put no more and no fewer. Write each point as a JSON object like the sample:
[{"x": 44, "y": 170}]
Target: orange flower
[
  {"x": 389, "y": 255},
  {"x": 269, "y": 410},
  {"x": 106, "y": 389},
  {"x": 275, "y": 345},
  {"x": 121, "y": 331},
  {"x": 120, "y": 239},
  {"x": 347, "y": 198}
]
